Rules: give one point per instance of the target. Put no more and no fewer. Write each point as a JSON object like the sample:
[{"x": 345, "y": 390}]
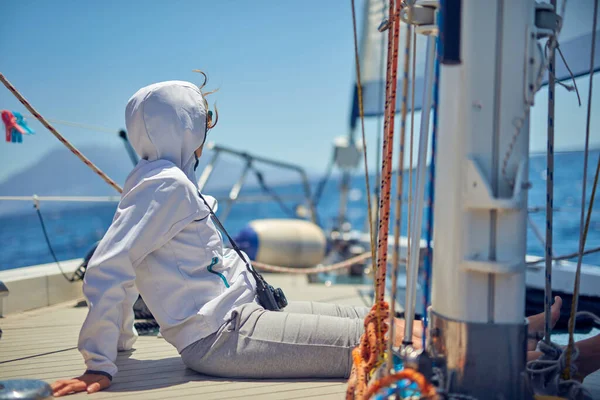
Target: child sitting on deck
[{"x": 163, "y": 245}]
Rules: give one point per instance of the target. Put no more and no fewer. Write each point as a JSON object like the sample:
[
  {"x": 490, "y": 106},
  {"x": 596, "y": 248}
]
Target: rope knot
[
  {"x": 545, "y": 373},
  {"x": 369, "y": 353}
]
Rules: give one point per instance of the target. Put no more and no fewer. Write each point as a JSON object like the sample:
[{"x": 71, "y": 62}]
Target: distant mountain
[{"x": 60, "y": 173}]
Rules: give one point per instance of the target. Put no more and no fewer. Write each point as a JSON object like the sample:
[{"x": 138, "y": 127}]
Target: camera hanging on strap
[{"x": 269, "y": 298}]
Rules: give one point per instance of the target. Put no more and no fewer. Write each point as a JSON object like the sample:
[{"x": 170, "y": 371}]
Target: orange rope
[
  {"x": 371, "y": 351},
  {"x": 427, "y": 389},
  {"x": 386, "y": 168},
  {"x": 365, "y": 356},
  {"x": 64, "y": 141}
]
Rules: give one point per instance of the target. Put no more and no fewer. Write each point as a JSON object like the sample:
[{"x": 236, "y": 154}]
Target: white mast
[{"x": 478, "y": 292}]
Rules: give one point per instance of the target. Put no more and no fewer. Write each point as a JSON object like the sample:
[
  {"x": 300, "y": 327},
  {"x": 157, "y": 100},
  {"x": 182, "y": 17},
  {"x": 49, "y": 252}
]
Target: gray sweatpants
[{"x": 307, "y": 340}]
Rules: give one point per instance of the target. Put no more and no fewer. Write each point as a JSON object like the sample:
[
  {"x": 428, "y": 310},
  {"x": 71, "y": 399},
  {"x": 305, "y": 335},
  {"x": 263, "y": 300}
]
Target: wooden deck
[{"x": 40, "y": 344}]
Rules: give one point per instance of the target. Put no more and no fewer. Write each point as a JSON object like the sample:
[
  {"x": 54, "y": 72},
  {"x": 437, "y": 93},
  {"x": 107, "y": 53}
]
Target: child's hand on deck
[{"x": 87, "y": 382}]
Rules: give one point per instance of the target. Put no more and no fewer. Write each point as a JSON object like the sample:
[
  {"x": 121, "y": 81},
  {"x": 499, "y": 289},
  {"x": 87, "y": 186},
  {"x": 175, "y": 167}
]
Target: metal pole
[
  {"x": 481, "y": 220},
  {"x": 311, "y": 203},
  {"x": 207, "y": 171},
  {"x": 417, "y": 221},
  {"x": 245, "y": 155},
  {"x": 344, "y": 189},
  {"x": 130, "y": 151},
  {"x": 235, "y": 191}
]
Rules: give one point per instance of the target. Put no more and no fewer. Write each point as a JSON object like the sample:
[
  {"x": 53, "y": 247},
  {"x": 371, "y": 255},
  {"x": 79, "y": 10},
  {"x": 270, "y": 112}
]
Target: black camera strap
[
  {"x": 251, "y": 269},
  {"x": 264, "y": 291}
]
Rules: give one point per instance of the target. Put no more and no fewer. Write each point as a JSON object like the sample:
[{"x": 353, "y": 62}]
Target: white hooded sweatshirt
[{"x": 162, "y": 241}]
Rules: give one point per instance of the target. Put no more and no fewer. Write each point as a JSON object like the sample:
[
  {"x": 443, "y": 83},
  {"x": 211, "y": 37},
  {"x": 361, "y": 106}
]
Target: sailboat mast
[{"x": 478, "y": 285}]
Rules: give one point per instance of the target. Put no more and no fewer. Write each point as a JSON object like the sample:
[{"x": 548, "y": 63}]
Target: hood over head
[{"x": 167, "y": 121}]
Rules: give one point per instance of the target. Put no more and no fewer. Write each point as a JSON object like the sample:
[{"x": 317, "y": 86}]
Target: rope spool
[{"x": 427, "y": 389}]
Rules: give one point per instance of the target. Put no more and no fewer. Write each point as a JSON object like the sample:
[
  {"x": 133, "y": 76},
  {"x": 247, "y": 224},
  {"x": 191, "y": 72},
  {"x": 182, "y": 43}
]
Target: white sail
[
  {"x": 575, "y": 42},
  {"x": 373, "y": 59}
]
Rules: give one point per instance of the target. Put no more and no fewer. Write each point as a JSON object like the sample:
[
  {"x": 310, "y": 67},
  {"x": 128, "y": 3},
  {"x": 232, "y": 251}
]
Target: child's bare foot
[
  {"x": 536, "y": 322},
  {"x": 417, "y": 334}
]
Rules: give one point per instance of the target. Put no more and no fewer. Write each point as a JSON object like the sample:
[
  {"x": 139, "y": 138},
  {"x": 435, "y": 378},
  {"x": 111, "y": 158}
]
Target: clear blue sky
[{"x": 284, "y": 68}]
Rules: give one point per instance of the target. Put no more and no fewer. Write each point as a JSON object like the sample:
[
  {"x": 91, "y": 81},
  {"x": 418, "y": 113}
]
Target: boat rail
[
  {"x": 250, "y": 160},
  {"x": 233, "y": 196}
]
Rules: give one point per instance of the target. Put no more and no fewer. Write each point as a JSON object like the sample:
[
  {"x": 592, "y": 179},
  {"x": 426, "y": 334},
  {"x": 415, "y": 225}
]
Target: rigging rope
[
  {"x": 518, "y": 122},
  {"x": 568, "y": 87},
  {"x": 323, "y": 181},
  {"x": 266, "y": 189},
  {"x": 76, "y": 124},
  {"x": 544, "y": 372},
  {"x": 399, "y": 190},
  {"x": 536, "y": 231},
  {"x": 325, "y": 268},
  {"x": 386, "y": 165},
  {"x": 371, "y": 349},
  {"x": 364, "y": 140},
  {"x": 360, "y": 368},
  {"x": 365, "y": 356},
  {"x": 381, "y": 95},
  {"x": 567, "y": 256},
  {"x": 549, "y": 191},
  {"x": 583, "y": 230},
  {"x": 64, "y": 141},
  {"x": 39, "y": 214}
]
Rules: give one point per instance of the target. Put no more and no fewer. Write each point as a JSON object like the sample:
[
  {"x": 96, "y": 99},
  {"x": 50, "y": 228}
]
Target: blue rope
[
  {"x": 431, "y": 191},
  {"x": 214, "y": 262},
  {"x": 549, "y": 194}
]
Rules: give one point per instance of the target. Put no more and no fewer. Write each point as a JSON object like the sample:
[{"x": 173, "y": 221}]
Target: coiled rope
[
  {"x": 427, "y": 390},
  {"x": 545, "y": 372}
]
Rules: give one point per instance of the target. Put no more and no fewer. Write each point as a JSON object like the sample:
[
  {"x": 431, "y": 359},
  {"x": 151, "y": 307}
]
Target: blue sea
[{"x": 74, "y": 229}]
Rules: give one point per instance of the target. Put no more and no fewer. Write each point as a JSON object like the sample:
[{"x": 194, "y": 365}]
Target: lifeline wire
[
  {"x": 381, "y": 95},
  {"x": 567, "y": 256},
  {"x": 411, "y": 145}
]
